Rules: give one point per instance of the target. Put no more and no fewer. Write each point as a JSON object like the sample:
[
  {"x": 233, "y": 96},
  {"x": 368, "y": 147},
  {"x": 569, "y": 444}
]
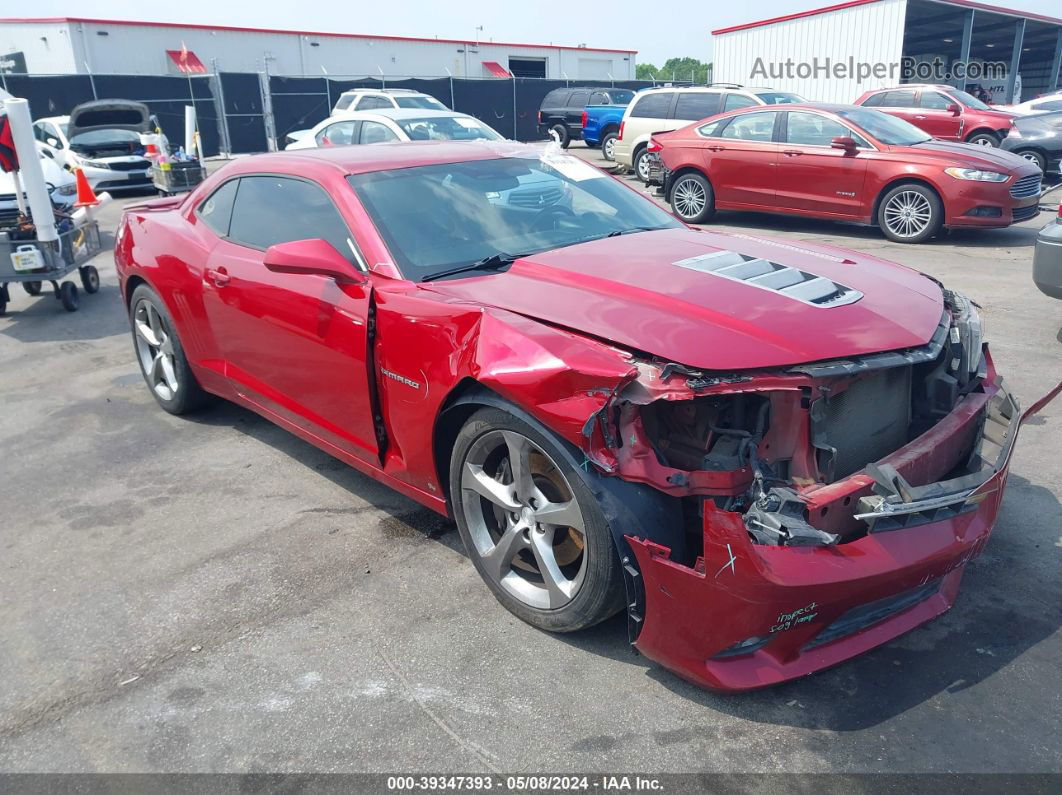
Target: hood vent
[{"x": 781, "y": 279}]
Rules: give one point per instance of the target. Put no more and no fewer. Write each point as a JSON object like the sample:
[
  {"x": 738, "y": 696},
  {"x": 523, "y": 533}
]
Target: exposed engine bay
[{"x": 783, "y": 449}]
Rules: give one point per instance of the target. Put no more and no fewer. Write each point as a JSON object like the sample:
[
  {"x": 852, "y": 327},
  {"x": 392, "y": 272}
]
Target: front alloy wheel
[
  {"x": 910, "y": 214},
  {"x": 532, "y": 528}
]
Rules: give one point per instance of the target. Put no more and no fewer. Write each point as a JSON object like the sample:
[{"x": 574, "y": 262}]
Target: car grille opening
[
  {"x": 864, "y": 423},
  {"x": 542, "y": 197},
  {"x": 1026, "y": 187},
  {"x": 1025, "y": 213},
  {"x": 138, "y": 165},
  {"x": 864, "y": 616}
]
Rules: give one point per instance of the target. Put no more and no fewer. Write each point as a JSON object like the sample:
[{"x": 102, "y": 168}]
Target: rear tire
[
  {"x": 692, "y": 198},
  {"x": 983, "y": 139},
  {"x": 641, "y": 165},
  {"x": 562, "y": 135},
  {"x": 68, "y": 296},
  {"x": 910, "y": 213},
  {"x": 161, "y": 356},
  {"x": 506, "y": 533},
  {"x": 608, "y": 146}
]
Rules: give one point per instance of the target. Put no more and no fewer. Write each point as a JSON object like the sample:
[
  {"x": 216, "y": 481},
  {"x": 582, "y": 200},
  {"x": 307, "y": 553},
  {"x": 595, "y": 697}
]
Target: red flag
[{"x": 8, "y": 156}]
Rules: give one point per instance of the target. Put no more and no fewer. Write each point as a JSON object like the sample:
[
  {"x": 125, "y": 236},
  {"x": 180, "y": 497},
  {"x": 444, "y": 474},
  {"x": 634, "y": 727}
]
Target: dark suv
[{"x": 562, "y": 109}]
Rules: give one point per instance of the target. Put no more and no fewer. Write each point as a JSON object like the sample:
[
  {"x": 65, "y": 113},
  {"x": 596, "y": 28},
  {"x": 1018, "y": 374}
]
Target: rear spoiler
[{"x": 156, "y": 205}]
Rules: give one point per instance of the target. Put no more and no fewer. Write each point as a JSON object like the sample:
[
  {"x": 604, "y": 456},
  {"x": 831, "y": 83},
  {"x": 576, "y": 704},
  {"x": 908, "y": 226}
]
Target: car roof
[
  {"x": 54, "y": 119},
  {"x": 398, "y": 114},
  {"x": 380, "y": 157},
  {"x": 913, "y": 86},
  {"x": 368, "y": 90}
]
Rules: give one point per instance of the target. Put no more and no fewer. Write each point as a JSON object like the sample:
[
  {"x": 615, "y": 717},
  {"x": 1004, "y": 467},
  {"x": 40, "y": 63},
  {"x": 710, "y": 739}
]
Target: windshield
[
  {"x": 890, "y": 130},
  {"x": 422, "y": 102},
  {"x": 620, "y": 97},
  {"x": 780, "y": 98},
  {"x": 969, "y": 100},
  {"x": 447, "y": 128},
  {"x": 435, "y": 218}
]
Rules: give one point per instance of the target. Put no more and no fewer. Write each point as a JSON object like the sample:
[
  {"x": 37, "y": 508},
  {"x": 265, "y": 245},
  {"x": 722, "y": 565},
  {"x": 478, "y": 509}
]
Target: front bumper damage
[{"x": 747, "y": 615}]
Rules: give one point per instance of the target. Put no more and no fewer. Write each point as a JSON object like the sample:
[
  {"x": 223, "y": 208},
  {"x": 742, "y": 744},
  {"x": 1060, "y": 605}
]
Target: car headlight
[
  {"x": 94, "y": 164},
  {"x": 976, "y": 175},
  {"x": 67, "y": 190},
  {"x": 967, "y": 334}
]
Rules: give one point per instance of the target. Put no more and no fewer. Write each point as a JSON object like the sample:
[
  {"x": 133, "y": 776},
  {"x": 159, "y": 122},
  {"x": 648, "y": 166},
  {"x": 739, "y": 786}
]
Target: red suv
[
  {"x": 942, "y": 111},
  {"x": 842, "y": 162}
]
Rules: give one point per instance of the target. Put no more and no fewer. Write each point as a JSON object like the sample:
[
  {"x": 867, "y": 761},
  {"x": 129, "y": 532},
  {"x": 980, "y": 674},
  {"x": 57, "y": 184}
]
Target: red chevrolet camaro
[
  {"x": 774, "y": 456},
  {"x": 844, "y": 163}
]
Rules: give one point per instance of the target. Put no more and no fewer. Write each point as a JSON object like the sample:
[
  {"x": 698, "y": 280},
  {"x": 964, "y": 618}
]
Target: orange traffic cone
[{"x": 86, "y": 197}]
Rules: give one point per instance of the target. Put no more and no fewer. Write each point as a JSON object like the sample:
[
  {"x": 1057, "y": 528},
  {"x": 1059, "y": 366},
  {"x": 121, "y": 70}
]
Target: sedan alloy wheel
[
  {"x": 155, "y": 351},
  {"x": 908, "y": 214}
]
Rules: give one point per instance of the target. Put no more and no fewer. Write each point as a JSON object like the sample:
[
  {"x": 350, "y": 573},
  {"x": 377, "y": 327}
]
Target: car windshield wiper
[
  {"x": 618, "y": 232},
  {"x": 496, "y": 260}
]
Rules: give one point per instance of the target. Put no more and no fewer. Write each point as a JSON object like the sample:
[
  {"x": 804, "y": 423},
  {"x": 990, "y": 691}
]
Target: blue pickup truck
[{"x": 601, "y": 124}]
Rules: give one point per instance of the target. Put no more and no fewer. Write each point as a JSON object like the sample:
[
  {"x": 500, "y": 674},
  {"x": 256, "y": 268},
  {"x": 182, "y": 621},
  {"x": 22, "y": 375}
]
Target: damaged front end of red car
[{"x": 826, "y": 508}]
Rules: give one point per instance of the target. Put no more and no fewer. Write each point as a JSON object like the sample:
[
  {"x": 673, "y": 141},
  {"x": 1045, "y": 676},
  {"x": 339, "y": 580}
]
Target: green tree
[{"x": 678, "y": 69}]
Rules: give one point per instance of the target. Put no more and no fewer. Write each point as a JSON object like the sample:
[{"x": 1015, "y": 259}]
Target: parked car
[
  {"x": 942, "y": 111},
  {"x": 601, "y": 125},
  {"x": 1047, "y": 258},
  {"x": 846, "y": 163},
  {"x": 615, "y": 409},
  {"x": 102, "y": 138},
  {"x": 1038, "y": 139},
  {"x": 60, "y": 183},
  {"x": 664, "y": 109},
  {"x": 386, "y": 98},
  {"x": 561, "y": 112},
  {"x": 384, "y": 125},
  {"x": 1045, "y": 103}
]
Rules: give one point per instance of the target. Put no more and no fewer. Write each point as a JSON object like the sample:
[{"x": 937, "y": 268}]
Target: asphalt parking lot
[{"x": 214, "y": 594}]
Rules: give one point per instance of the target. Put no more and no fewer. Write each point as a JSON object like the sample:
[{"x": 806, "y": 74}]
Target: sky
[{"x": 619, "y": 24}]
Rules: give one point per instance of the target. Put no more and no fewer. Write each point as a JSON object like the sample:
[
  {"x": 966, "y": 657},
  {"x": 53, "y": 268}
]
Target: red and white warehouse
[
  {"x": 834, "y": 54},
  {"x": 100, "y": 46}
]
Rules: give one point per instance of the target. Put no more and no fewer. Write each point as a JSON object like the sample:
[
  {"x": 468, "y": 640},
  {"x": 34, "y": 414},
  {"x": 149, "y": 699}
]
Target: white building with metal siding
[
  {"x": 69, "y": 45},
  {"x": 836, "y": 53}
]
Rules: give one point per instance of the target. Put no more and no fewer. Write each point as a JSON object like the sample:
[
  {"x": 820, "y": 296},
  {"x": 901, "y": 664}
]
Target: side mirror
[
  {"x": 51, "y": 141},
  {"x": 849, "y": 145},
  {"x": 314, "y": 257},
  {"x": 954, "y": 109}
]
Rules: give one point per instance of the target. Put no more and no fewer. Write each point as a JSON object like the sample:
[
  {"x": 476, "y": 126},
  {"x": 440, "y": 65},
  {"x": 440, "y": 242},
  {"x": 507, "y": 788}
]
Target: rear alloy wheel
[
  {"x": 560, "y": 134},
  {"x": 532, "y": 528},
  {"x": 608, "y": 146},
  {"x": 641, "y": 164},
  {"x": 160, "y": 355},
  {"x": 983, "y": 139},
  {"x": 1035, "y": 158},
  {"x": 910, "y": 214},
  {"x": 692, "y": 198}
]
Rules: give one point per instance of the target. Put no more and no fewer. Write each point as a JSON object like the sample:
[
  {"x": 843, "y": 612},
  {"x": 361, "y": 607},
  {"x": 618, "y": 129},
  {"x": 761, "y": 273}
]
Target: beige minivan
[{"x": 663, "y": 109}]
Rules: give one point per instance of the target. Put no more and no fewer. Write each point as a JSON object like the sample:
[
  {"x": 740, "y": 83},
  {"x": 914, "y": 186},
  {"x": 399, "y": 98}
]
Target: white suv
[
  {"x": 385, "y": 99},
  {"x": 663, "y": 109}
]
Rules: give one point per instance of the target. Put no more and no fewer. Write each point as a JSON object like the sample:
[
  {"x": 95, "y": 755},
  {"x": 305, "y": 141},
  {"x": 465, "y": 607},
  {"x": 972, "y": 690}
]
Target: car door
[
  {"x": 340, "y": 133},
  {"x": 934, "y": 117},
  {"x": 293, "y": 344},
  {"x": 374, "y": 132},
  {"x": 812, "y": 175},
  {"x": 902, "y": 103},
  {"x": 742, "y": 159}
]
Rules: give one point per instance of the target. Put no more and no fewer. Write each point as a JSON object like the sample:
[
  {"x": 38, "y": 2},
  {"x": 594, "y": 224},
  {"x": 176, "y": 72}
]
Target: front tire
[
  {"x": 160, "y": 355},
  {"x": 910, "y": 213},
  {"x": 608, "y": 146},
  {"x": 692, "y": 198},
  {"x": 983, "y": 139},
  {"x": 1034, "y": 157},
  {"x": 531, "y": 526}
]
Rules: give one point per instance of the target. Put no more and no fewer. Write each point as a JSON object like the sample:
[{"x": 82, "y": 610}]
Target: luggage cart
[
  {"x": 34, "y": 262},
  {"x": 180, "y": 177}
]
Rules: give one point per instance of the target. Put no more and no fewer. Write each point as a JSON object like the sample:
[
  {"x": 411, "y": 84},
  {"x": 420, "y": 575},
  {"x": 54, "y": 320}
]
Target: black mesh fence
[{"x": 235, "y": 117}]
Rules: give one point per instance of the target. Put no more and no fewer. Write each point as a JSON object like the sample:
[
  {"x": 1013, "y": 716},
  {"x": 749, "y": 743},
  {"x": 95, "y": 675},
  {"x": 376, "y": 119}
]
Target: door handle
[
  {"x": 219, "y": 277},
  {"x": 919, "y": 117},
  {"x": 792, "y": 152},
  {"x": 715, "y": 148}
]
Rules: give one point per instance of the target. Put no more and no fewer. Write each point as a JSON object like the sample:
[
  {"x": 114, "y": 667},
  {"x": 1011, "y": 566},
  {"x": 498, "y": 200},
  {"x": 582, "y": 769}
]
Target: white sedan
[
  {"x": 60, "y": 182},
  {"x": 386, "y": 125}
]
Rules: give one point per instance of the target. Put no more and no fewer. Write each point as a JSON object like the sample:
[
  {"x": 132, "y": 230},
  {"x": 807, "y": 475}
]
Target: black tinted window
[
  {"x": 599, "y": 98},
  {"x": 556, "y": 99},
  {"x": 1055, "y": 104},
  {"x": 874, "y": 100},
  {"x": 373, "y": 103},
  {"x": 217, "y": 209},
  {"x": 271, "y": 210},
  {"x": 898, "y": 99},
  {"x": 696, "y": 105},
  {"x": 579, "y": 99},
  {"x": 735, "y": 101},
  {"x": 653, "y": 106}
]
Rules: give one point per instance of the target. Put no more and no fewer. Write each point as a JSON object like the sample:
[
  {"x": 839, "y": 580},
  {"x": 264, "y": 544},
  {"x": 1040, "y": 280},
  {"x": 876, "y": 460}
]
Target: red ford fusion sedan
[
  {"x": 844, "y": 163},
  {"x": 773, "y": 456},
  {"x": 944, "y": 112}
]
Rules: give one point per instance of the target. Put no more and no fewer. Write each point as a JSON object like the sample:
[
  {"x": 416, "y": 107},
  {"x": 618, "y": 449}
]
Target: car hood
[
  {"x": 972, "y": 155},
  {"x": 653, "y": 292},
  {"x": 108, "y": 114}
]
